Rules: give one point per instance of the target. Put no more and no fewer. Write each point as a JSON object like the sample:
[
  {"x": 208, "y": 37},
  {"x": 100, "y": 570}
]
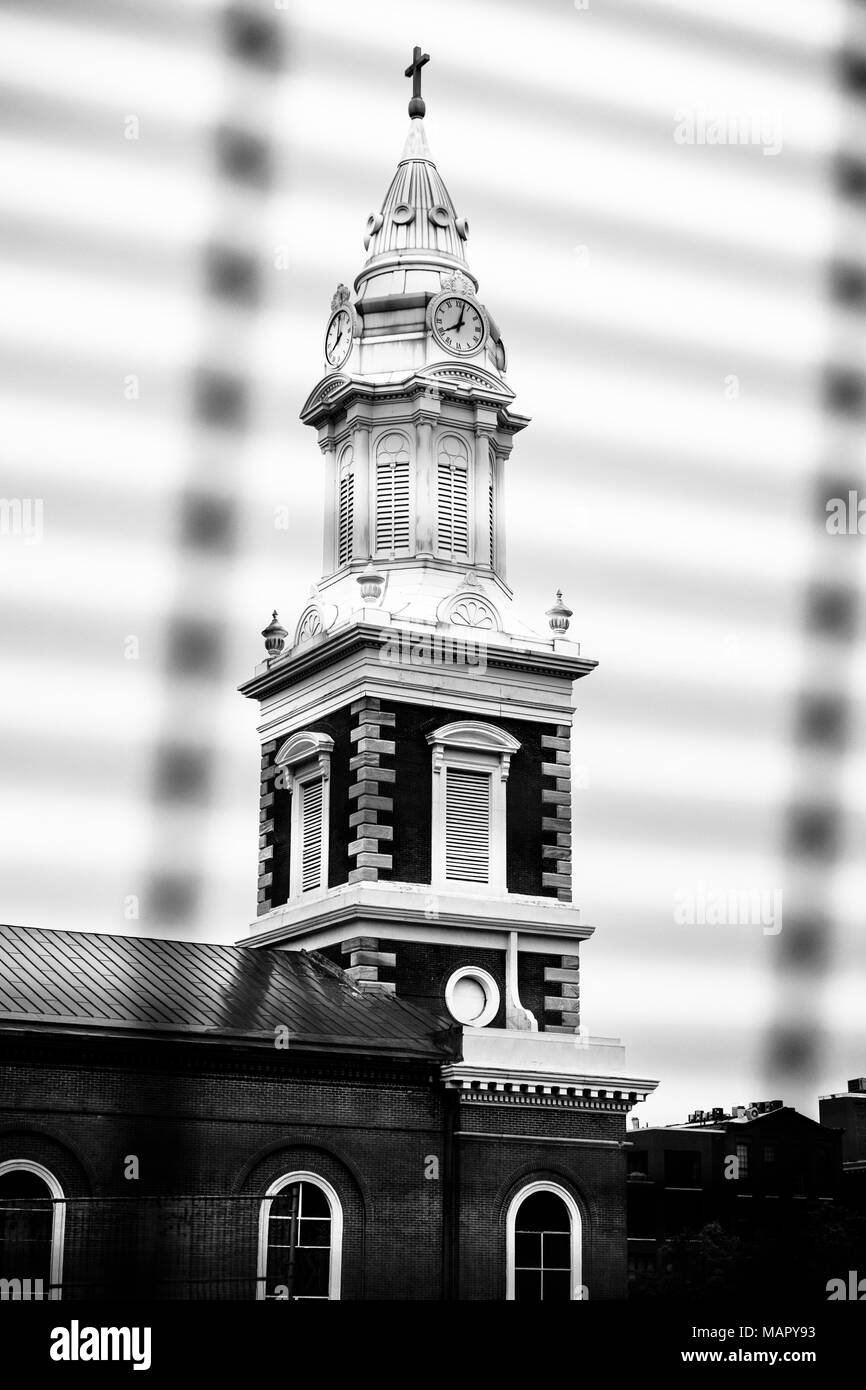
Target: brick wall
[{"x": 227, "y": 1121}]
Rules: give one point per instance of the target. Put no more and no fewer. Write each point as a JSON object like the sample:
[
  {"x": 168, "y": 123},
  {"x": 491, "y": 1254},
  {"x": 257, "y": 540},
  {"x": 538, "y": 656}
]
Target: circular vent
[
  {"x": 472, "y": 997},
  {"x": 462, "y": 228},
  {"x": 439, "y": 216},
  {"x": 374, "y": 222},
  {"x": 403, "y": 214}
]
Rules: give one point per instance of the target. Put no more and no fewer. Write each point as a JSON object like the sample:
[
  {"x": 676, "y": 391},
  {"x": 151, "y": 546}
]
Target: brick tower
[{"x": 415, "y": 773}]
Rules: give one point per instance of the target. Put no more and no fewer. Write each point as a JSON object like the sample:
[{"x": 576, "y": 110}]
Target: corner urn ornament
[
  {"x": 275, "y": 637},
  {"x": 559, "y": 614},
  {"x": 372, "y": 583}
]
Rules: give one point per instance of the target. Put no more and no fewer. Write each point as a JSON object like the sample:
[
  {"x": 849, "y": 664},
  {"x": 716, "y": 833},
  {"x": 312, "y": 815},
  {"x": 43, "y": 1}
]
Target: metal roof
[{"x": 95, "y": 982}]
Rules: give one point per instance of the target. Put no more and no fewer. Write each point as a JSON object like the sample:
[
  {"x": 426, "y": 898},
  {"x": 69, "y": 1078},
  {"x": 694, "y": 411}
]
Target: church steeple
[
  {"x": 416, "y": 730},
  {"x": 414, "y": 416}
]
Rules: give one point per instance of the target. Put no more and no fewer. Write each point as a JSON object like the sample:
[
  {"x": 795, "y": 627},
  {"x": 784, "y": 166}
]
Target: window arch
[
  {"x": 392, "y": 495},
  {"x": 471, "y": 762},
  {"x": 32, "y": 1222},
  {"x": 300, "y": 1239},
  {"x": 303, "y": 767},
  {"x": 491, "y": 514},
  {"x": 452, "y": 506},
  {"x": 544, "y": 1247},
  {"x": 346, "y": 505}
]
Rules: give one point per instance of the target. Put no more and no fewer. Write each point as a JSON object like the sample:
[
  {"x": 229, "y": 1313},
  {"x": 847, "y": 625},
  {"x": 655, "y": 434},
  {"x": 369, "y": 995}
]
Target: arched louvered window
[
  {"x": 300, "y": 1240},
  {"x": 32, "y": 1219},
  {"x": 452, "y": 511},
  {"x": 392, "y": 495},
  {"x": 491, "y": 512},
  {"x": 346, "y": 506},
  {"x": 471, "y": 763},
  {"x": 303, "y": 768}
]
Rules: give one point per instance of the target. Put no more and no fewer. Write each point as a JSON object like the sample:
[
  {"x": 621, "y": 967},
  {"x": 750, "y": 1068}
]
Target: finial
[
  {"x": 372, "y": 583},
  {"x": 275, "y": 637},
  {"x": 559, "y": 615},
  {"x": 417, "y": 106}
]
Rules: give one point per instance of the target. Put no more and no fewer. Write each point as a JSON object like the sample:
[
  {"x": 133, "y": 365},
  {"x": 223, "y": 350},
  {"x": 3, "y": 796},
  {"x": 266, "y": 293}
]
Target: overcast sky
[{"x": 664, "y": 306}]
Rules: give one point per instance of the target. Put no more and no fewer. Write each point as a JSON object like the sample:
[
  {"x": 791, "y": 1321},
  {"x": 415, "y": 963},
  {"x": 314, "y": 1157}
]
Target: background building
[
  {"x": 759, "y": 1171},
  {"x": 846, "y": 1110}
]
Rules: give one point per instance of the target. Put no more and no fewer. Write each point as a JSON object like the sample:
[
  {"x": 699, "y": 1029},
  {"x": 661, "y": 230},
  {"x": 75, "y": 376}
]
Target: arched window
[
  {"x": 303, "y": 768},
  {"x": 300, "y": 1239},
  {"x": 346, "y": 507},
  {"x": 453, "y": 497},
  {"x": 491, "y": 513},
  {"x": 32, "y": 1219},
  {"x": 471, "y": 762},
  {"x": 543, "y": 1245},
  {"x": 392, "y": 495}
]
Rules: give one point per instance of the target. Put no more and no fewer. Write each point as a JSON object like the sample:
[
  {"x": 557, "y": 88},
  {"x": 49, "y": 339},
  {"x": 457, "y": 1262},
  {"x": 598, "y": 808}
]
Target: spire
[{"x": 417, "y": 225}]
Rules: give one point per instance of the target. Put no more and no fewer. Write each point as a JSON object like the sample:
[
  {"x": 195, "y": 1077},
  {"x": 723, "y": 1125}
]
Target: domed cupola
[{"x": 417, "y": 234}]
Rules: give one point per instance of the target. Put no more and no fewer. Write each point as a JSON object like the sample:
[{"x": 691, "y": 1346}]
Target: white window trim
[
  {"x": 305, "y": 757},
  {"x": 335, "y": 1269},
  {"x": 576, "y": 1235},
  {"x": 390, "y": 552},
  {"x": 302, "y": 748},
  {"x": 345, "y": 470},
  {"x": 296, "y": 848},
  {"x": 58, "y": 1219},
  {"x": 467, "y": 466},
  {"x": 491, "y": 990},
  {"x": 477, "y": 747}
]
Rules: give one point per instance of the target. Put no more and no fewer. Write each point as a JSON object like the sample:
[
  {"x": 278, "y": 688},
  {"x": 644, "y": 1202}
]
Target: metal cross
[{"x": 417, "y": 106}]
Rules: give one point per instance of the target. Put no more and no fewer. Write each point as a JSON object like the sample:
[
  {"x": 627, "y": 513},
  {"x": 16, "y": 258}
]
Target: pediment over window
[
  {"x": 471, "y": 736},
  {"x": 302, "y": 748}
]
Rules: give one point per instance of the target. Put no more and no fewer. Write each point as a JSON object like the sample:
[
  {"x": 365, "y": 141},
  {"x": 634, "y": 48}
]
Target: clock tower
[{"x": 416, "y": 733}]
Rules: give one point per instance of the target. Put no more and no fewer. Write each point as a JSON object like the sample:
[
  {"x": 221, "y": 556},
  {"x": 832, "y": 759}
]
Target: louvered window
[
  {"x": 491, "y": 514},
  {"x": 392, "y": 495},
  {"x": 347, "y": 509},
  {"x": 453, "y": 497},
  {"x": 467, "y": 825},
  {"x": 312, "y": 828}
]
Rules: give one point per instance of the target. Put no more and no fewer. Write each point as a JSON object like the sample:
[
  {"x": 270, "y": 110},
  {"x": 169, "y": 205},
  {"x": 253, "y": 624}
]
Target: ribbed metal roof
[
  {"x": 97, "y": 982},
  {"x": 416, "y": 190}
]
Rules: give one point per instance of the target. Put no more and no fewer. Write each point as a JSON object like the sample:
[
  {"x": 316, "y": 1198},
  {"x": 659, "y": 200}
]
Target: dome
[{"x": 418, "y": 225}]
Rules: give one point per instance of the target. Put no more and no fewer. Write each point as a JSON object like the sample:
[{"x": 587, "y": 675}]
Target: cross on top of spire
[{"x": 417, "y": 105}]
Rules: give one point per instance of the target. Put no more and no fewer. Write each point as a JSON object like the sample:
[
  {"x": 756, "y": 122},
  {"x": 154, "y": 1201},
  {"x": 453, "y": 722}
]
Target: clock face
[
  {"x": 458, "y": 324},
  {"x": 338, "y": 337}
]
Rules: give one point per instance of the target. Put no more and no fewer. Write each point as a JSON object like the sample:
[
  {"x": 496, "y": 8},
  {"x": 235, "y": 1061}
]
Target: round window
[{"x": 472, "y": 997}]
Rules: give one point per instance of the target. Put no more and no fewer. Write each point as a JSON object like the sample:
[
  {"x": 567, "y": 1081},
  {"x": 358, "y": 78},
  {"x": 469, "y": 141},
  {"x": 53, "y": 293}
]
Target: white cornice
[{"x": 380, "y": 909}]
